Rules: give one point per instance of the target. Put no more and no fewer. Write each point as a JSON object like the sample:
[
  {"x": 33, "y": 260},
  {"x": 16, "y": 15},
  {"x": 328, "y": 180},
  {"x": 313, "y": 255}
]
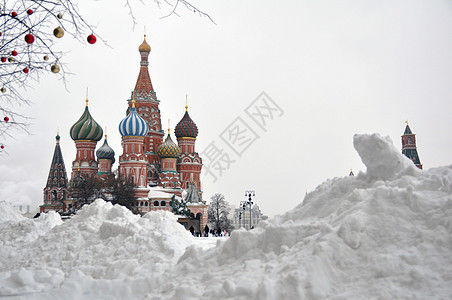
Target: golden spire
[
  {"x": 406, "y": 122},
  {"x": 169, "y": 130},
  {"x": 133, "y": 103},
  {"x": 86, "y": 96},
  {"x": 186, "y": 102},
  {"x": 105, "y": 132}
]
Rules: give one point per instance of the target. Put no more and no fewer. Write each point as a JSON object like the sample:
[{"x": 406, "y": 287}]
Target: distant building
[
  {"x": 409, "y": 148},
  {"x": 241, "y": 217}
]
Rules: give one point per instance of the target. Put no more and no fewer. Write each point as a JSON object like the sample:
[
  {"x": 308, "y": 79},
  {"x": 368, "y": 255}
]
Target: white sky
[{"x": 335, "y": 68}]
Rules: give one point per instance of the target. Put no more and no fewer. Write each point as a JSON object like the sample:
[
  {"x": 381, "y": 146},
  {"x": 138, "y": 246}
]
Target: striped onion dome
[
  {"x": 186, "y": 127},
  {"x": 133, "y": 124},
  {"x": 168, "y": 149},
  {"x": 86, "y": 128},
  {"x": 105, "y": 152}
]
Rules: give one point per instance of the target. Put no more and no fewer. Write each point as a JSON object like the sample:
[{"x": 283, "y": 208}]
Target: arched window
[
  {"x": 156, "y": 203},
  {"x": 54, "y": 195},
  {"x": 163, "y": 203},
  {"x": 64, "y": 194},
  {"x": 146, "y": 203}
]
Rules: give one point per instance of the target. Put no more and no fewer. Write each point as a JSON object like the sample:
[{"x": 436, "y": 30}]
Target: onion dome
[
  {"x": 186, "y": 127},
  {"x": 133, "y": 124},
  {"x": 105, "y": 152},
  {"x": 144, "y": 47},
  {"x": 86, "y": 128},
  {"x": 168, "y": 149}
]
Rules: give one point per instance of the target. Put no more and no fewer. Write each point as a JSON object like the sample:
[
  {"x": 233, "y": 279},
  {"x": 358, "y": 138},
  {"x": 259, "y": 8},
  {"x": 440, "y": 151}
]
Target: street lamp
[{"x": 249, "y": 202}]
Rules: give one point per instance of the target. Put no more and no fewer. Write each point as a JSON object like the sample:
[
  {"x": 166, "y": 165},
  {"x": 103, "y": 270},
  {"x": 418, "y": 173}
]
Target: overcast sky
[{"x": 329, "y": 69}]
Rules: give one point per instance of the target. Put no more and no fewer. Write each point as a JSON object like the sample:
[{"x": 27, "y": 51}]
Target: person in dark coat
[
  {"x": 206, "y": 231},
  {"x": 192, "y": 230},
  {"x": 219, "y": 231}
]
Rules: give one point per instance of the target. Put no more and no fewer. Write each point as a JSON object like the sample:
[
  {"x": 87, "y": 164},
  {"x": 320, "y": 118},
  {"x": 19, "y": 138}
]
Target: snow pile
[
  {"x": 383, "y": 234},
  {"x": 101, "y": 242},
  {"x": 386, "y": 233}
]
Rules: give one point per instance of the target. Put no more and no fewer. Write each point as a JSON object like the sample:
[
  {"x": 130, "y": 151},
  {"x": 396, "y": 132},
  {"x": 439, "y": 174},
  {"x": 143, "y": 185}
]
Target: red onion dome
[{"x": 186, "y": 127}]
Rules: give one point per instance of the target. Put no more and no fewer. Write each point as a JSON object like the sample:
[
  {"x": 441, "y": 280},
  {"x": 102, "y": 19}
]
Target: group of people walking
[{"x": 208, "y": 231}]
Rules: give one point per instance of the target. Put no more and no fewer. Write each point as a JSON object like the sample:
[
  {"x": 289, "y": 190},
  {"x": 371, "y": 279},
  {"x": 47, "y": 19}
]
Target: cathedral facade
[{"x": 160, "y": 169}]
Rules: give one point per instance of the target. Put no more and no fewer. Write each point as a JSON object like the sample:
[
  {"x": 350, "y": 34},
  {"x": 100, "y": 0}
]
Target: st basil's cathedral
[{"x": 159, "y": 169}]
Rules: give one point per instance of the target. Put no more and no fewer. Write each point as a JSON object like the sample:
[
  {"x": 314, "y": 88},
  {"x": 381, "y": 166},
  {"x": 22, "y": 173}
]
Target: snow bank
[{"x": 383, "y": 234}]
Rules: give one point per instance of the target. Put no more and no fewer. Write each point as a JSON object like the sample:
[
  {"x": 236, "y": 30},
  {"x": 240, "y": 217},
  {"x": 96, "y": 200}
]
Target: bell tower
[
  {"x": 409, "y": 148},
  {"x": 147, "y": 107}
]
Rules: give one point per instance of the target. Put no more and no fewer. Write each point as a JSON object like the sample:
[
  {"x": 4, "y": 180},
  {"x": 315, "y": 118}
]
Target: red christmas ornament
[
  {"x": 6, "y": 119},
  {"x": 25, "y": 70},
  {"x": 13, "y": 14},
  {"x": 14, "y": 53},
  {"x": 3, "y": 59},
  {"x": 29, "y": 38},
  {"x": 91, "y": 39},
  {"x": 3, "y": 147},
  {"x": 30, "y": 11},
  {"x": 0, "y": 34}
]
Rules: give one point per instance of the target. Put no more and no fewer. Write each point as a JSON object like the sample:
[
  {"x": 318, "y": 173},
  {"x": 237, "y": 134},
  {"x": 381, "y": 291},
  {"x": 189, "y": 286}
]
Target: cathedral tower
[
  {"x": 147, "y": 106},
  {"x": 106, "y": 158},
  {"x": 169, "y": 153},
  {"x": 409, "y": 146},
  {"x": 56, "y": 189},
  {"x": 132, "y": 162},
  {"x": 189, "y": 164},
  {"x": 85, "y": 133}
]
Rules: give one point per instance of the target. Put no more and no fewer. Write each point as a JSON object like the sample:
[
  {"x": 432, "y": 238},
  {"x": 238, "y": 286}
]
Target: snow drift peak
[{"x": 382, "y": 159}]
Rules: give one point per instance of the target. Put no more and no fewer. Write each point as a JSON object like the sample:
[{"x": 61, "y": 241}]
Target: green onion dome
[
  {"x": 105, "y": 152},
  {"x": 86, "y": 128},
  {"x": 186, "y": 127},
  {"x": 168, "y": 149}
]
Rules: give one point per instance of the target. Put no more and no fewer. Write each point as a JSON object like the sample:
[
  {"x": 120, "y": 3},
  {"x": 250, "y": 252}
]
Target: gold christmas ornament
[
  {"x": 10, "y": 59},
  {"x": 58, "y": 32},
  {"x": 55, "y": 68},
  {"x": 60, "y": 16},
  {"x": 3, "y": 90},
  {"x": 46, "y": 58}
]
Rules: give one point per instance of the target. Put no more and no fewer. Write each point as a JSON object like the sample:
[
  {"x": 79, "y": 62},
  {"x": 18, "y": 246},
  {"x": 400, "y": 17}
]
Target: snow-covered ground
[{"x": 383, "y": 234}]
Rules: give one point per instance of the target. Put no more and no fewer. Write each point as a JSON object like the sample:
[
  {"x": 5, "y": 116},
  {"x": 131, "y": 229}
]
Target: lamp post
[
  {"x": 249, "y": 202},
  {"x": 240, "y": 219}
]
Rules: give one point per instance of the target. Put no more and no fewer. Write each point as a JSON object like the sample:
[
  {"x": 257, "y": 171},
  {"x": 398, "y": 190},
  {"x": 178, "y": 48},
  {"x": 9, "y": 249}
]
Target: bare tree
[
  {"x": 218, "y": 212},
  {"x": 29, "y": 30}
]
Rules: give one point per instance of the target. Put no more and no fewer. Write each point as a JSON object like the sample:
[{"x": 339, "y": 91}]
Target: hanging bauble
[
  {"x": 46, "y": 58},
  {"x": 60, "y": 16},
  {"x": 0, "y": 34},
  {"x": 3, "y": 59},
  {"x": 14, "y": 53},
  {"x": 91, "y": 39},
  {"x": 3, "y": 90},
  {"x": 10, "y": 59},
  {"x": 30, "y": 11},
  {"x": 25, "y": 70},
  {"x": 29, "y": 38},
  {"x": 6, "y": 119},
  {"x": 58, "y": 32},
  {"x": 3, "y": 147},
  {"x": 55, "y": 68},
  {"x": 13, "y": 14}
]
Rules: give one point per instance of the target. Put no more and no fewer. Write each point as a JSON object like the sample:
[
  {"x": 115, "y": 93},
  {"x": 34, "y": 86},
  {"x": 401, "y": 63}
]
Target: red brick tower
[
  {"x": 169, "y": 153},
  {"x": 85, "y": 133},
  {"x": 189, "y": 164},
  {"x": 106, "y": 157},
  {"x": 409, "y": 146},
  {"x": 132, "y": 162},
  {"x": 147, "y": 106},
  {"x": 56, "y": 190}
]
